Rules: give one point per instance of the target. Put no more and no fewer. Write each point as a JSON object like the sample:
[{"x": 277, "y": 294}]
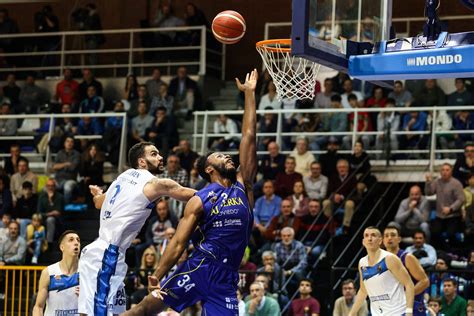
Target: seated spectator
[
  {"x": 464, "y": 120},
  {"x": 89, "y": 80},
  {"x": 464, "y": 165},
  {"x": 247, "y": 271},
  {"x": 413, "y": 213},
  {"x": 312, "y": 225},
  {"x": 166, "y": 18},
  {"x": 309, "y": 123},
  {"x": 449, "y": 200},
  {"x": 348, "y": 90},
  {"x": 431, "y": 94},
  {"x": 259, "y": 304},
  {"x": 269, "y": 291},
  {"x": 401, "y": 97},
  {"x": 169, "y": 234},
  {"x": 155, "y": 233},
  {"x": 266, "y": 124},
  {"x": 8, "y": 126},
  {"x": 343, "y": 304},
  {"x": 443, "y": 123},
  {"x": 452, "y": 304},
  {"x": 163, "y": 99},
  {"x": 272, "y": 269},
  {"x": 26, "y": 206},
  {"x": 306, "y": 304},
  {"x": 6, "y": 219},
  {"x": 387, "y": 122},
  {"x": 24, "y": 174},
  {"x": 186, "y": 156},
  {"x": 11, "y": 91},
  {"x": 439, "y": 275},
  {"x": 195, "y": 17},
  {"x": 174, "y": 171},
  {"x": 50, "y": 206},
  {"x": 332, "y": 122},
  {"x": 272, "y": 163},
  {"x": 66, "y": 166},
  {"x": 142, "y": 97},
  {"x": 225, "y": 125},
  {"x": 11, "y": 163},
  {"x": 153, "y": 84},
  {"x": 285, "y": 181},
  {"x": 425, "y": 253},
  {"x": 468, "y": 207},
  {"x": 434, "y": 306},
  {"x": 67, "y": 90},
  {"x": 461, "y": 96},
  {"x": 163, "y": 132},
  {"x": 131, "y": 88},
  {"x": 303, "y": 158},
  {"x": 88, "y": 126},
  {"x": 140, "y": 123},
  {"x": 92, "y": 168},
  {"x": 377, "y": 100},
  {"x": 186, "y": 93},
  {"x": 413, "y": 122},
  {"x": 32, "y": 97},
  {"x": 341, "y": 185},
  {"x": 149, "y": 263},
  {"x": 36, "y": 238},
  {"x": 323, "y": 99},
  {"x": 299, "y": 199},
  {"x": 266, "y": 206},
  {"x": 92, "y": 103},
  {"x": 364, "y": 124},
  {"x": 359, "y": 164},
  {"x": 13, "y": 248},
  {"x": 285, "y": 219},
  {"x": 113, "y": 127},
  {"x": 270, "y": 99},
  {"x": 316, "y": 184},
  {"x": 67, "y": 125},
  {"x": 6, "y": 197},
  {"x": 329, "y": 159}
]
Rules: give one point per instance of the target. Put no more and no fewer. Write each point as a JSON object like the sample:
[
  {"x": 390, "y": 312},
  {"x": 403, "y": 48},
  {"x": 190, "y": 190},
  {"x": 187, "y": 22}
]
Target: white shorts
[{"x": 102, "y": 269}]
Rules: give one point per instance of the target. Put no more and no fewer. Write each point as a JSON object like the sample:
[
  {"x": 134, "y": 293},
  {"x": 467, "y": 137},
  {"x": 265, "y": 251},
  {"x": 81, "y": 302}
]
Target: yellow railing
[{"x": 16, "y": 287}]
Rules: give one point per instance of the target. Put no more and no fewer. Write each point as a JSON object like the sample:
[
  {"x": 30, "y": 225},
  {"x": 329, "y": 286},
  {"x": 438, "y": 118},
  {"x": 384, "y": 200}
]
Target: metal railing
[
  {"x": 21, "y": 283},
  {"x": 201, "y": 121},
  {"x": 52, "y": 123},
  {"x": 128, "y": 61}
]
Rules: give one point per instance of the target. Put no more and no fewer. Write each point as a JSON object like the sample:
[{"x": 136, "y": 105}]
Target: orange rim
[{"x": 269, "y": 45}]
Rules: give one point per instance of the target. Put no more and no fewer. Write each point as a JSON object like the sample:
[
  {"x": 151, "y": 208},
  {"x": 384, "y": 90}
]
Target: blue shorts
[{"x": 203, "y": 279}]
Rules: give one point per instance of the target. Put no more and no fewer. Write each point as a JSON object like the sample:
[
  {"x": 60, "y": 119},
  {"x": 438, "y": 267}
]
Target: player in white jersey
[
  {"x": 124, "y": 209},
  {"x": 59, "y": 283},
  {"x": 382, "y": 278}
]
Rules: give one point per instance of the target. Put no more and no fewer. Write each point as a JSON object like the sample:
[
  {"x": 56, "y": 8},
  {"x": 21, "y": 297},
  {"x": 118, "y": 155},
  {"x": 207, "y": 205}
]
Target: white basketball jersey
[
  {"x": 62, "y": 297},
  {"x": 125, "y": 208},
  {"x": 386, "y": 294}
]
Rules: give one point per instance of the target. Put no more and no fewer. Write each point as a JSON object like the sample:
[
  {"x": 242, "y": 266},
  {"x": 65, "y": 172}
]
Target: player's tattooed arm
[
  {"x": 42, "y": 293},
  {"x": 187, "y": 225},
  {"x": 360, "y": 297},
  {"x": 168, "y": 187}
]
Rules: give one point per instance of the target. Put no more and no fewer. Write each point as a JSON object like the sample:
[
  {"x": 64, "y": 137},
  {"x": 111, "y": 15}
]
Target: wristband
[{"x": 409, "y": 311}]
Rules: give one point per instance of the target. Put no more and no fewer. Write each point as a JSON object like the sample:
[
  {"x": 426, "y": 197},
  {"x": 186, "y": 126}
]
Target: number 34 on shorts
[{"x": 184, "y": 282}]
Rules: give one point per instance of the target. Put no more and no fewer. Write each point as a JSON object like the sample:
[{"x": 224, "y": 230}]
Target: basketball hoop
[{"x": 294, "y": 77}]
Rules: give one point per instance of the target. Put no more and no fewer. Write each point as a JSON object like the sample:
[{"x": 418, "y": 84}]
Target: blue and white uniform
[
  {"x": 102, "y": 264},
  {"x": 62, "y": 298},
  {"x": 386, "y": 293}
]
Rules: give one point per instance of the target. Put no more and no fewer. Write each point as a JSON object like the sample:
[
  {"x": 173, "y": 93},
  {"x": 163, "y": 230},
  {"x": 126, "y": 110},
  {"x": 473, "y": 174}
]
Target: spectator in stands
[
  {"x": 6, "y": 219},
  {"x": 272, "y": 269},
  {"x": 13, "y": 248},
  {"x": 464, "y": 165},
  {"x": 8, "y": 126},
  {"x": 303, "y": 158},
  {"x": 25, "y": 206},
  {"x": 142, "y": 96},
  {"x": 387, "y": 122},
  {"x": 348, "y": 89},
  {"x": 413, "y": 213},
  {"x": 174, "y": 171},
  {"x": 402, "y": 97},
  {"x": 464, "y": 120},
  {"x": 413, "y": 122},
  {"x": 9, "y": 45},
  {"x": 155, "y": 232},
  {"x": 272, "y": 163},
  {"x": 50, "y": 206},
  {"x": 306, "y": 304},
  {"x": 12, "y": 91},
  {"x": 359, "y": 163},
  {"x": 452, "y": 304},
  {"x": 343, "y": 304},
  {"x": 340, "y": 187},
  {"x": 4, "y": 99},
  {"x": 285, "y": 219},
  {"x": 23, "y": 174},
  {"x": 89, "y": 80},
  {"x": 440, "y": 274},
  {"x": 88, "y": 126},
  {"x": 377, "y": 100},
  {"x": 166, "y": 18},
  {"x": 153, "y": 84},
  {"x": 130, "y": 92},
  {"x": 66, "y": 166},
  {"x": 92, "y": 103},
  {"x": 266, "y": 124},
  {"x": 66, "y": 125},
  {"x": 259, "y": 304},
  {"x": 332, "y": 122},
  {"x": 247, "y": 276},
  {"x": 67, "y": 90},
  {"x": 425, "y": 253},
  {"x": 309, "y": 123},
  {"x": 169, "y": 234},
  {"x": 461, "y": 96},
  {"x": 92, "y": 167},
  {"x": 266, "y": 208},
  {"x": 6, "y": 197},
  {"x": 36, "y": 238},
  {"x": 443, "y": 123},
  {"x": 434, "y": 306},
  {"x": 47, "y": 22},
  {"x": 364, "y": 124},
  {"x": 163, "y": 131},
  {"x": 186, "y": 94},
  {"x": 270, "y": 99},
  {"x": 299, "y": 199},
  {"x": 140, "y": 123},
  {"x": 269, "y": 291},
  {"x": 186, "y": 156},
  {"x": 92, "y": 22},
  {"x": 148, "y": 265},
  {"x": 113, "y": 127},
  {"x": 225, "y": 125},
  {"x": 313, "y": 224},
  {"x": 11, "y": 163},
  {"x": 430, "y": 95},
  {"x": 195, "y": 17},
  {"x": 285, "y": 181},
  {"x": 32, "y": 97},
  {"x": 316, "y": 184},
  {"x": 323, "y": 99},
  {"x": 449, "y": 200},
  {"x": 329, "y": 159},
  {"x": 163, "y": 99}
]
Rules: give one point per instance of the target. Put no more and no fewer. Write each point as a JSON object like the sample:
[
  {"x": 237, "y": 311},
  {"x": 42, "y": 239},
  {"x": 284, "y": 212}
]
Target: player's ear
[{"x": 209, "y": 169}]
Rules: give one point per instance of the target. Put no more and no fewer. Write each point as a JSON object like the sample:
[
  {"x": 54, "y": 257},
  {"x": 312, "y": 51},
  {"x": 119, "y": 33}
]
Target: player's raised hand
[
  {"x": 95, "y": 190},
  {"x": 250, "y": 82}
]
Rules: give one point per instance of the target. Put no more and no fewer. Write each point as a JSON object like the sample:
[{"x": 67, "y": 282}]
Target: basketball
[{"x": 228, "y": 27}]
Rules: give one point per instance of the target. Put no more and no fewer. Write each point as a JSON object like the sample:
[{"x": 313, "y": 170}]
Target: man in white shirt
[
  {"x": 225, "y": 125},
  {"x": 349, "y": 90},
  {"x": 316, "y": 184},
  {"x": 323, "y": 99},
  {"x": 343, "y": 304},
  {"x": 424, "y": 252},
  {"x": 302, "y": 156}
]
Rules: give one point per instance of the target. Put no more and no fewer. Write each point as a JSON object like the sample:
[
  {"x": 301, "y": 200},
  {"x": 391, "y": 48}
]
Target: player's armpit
[
  {"x": 166, "y": 187},
  {"x": 42, "y": 293},
  {"x": 417, "y": 272}
]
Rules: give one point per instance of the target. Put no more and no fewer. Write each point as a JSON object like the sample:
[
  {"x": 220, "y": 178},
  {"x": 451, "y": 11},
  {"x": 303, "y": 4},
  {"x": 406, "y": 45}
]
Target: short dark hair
[
  {"x": 460, "y": 79},
  {"x": 307, "y": 280},
  {"x": 22, "y": 159},
  {"x": 419, "y": 231},
  {"x": 351, "y": 96},
  {"x": 450, "y": 279},
  {"x": 202, "y": 165},
  {"x": 27, "y": 185},
  {"x": 435, "y": 299},
  {"x": 393, "y": 227},
  {"x": 65, "y": 233},
  {"x": 391, "y": 101},
  {"x": 348, "y": 281},
  {"x": 161, "y": 108},
  {"x": 374, "y": 228},
  {"x": 336, "y": 98},
  {"x": 136, "y": 152},
  {"x": 398, "y": 82}
]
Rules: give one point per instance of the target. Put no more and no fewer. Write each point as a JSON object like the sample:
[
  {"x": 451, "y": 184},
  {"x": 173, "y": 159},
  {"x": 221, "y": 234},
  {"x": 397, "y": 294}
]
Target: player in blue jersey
[
  {"x": 391, "y": 241},
  {"x": 218, "y": 220}
]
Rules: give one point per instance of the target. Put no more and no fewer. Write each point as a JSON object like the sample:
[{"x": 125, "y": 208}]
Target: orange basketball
[{"x": 228, "y": 27}]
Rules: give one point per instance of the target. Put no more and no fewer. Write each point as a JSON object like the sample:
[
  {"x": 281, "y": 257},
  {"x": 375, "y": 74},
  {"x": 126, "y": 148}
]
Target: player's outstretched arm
[
  {"x": 401, "y": 274},
  {"x": 166, "y": 187},
  {"x": 42, "y": 295},
  {"x": 248, "y": 147},
  {"x": 360, "y": 297},
  {"x": 417, "y": 272}
]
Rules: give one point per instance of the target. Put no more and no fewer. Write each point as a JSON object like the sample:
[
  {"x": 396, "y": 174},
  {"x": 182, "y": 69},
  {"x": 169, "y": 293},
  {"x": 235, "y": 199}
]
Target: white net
[{"x": 294, "y": 77}]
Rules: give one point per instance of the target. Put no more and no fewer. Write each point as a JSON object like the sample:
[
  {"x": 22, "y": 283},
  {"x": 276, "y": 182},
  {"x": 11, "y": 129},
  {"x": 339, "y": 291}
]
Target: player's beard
[
  {"x": 230, "y": 174},
  {"x": 154, "y": 169}
]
